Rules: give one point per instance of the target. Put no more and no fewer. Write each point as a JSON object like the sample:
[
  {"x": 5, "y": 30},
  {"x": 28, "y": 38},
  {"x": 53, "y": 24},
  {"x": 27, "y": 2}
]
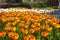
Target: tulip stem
[
  {"x": 40, "y": 35},
  {"x": 2, "y": 38},
  {"x": 53, "y": 33}
]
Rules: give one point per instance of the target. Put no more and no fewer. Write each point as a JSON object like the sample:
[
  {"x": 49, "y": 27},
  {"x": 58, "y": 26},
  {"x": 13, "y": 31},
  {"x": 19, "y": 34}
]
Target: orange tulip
[
  {"x": 4, "y": 19},
  {"x": 32, "y": 19},
  {"x": 10, "y": 18},
  {"x": 31, "y": 37},
  {"x": 44, "y": 34},
  {"x": 46, "y": 22},
  {"x": 21, "y": 24},
  {"x": 8, "y": 24},
  {"x": 26, "y": 26},
  {"x": 28, "y": 23},
  {"x": 26, "y": 18},
  {"x": 48, "y": 28},
  {"x": 29, "y": 18},
  {"x": 7, "y": 28},
  {"x": 25, "y": 31},
  {"x": 33, "y": 25},
  {"x": 16, "y": 36},
  {"x": 2, "y": 34},
  {"x": 42, "y": 27},
  {"x": 15, "y": 22},
  {"x": 22, "y": 30},
  {"x": 32, "y": 30},
  {"x": 26, "y": 38},
  {"x": 37, "y": 29},
  {"x": 57, "y": 21},
  {"x": 57, "y": 25},
  {"x": 53, "y": 20},
  {"x": 47, "y": 16},
  {"x": 37, "y": 23},
  {"x": 13, "y": 35}
]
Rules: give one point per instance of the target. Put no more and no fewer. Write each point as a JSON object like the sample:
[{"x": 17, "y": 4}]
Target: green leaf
[{"x": 43, "y": 22}]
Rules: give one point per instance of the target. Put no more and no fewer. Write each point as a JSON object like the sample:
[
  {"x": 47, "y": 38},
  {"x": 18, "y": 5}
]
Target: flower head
[
  {"x": 2, "y": 34},
  {"x": 44, "y": 34},
  {"x": 13, "y": 35}
]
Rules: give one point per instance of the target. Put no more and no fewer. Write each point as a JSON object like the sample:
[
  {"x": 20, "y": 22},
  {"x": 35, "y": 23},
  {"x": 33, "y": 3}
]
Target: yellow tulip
[{"x": 13, "y": 29}]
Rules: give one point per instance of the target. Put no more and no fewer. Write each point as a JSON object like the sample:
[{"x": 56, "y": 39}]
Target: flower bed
[{"x": 28, "y": 26}]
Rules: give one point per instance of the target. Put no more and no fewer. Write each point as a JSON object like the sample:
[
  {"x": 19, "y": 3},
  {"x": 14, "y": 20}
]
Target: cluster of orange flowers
[
  {"x": 13, "y": 35},
  {"x": 28, "y": 22}
]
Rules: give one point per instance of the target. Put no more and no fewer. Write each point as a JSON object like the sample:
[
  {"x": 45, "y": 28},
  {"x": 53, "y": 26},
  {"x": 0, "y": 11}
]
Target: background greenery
[
  {"x": 42, "y": 3},
  {"x": 33, "y": 3}
]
